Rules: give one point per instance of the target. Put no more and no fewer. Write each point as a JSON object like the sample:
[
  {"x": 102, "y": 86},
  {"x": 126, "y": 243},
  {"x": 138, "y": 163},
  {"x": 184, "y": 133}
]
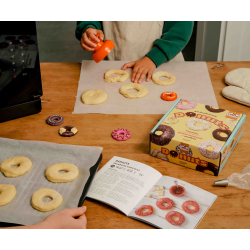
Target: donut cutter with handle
[
  {"x": 102, "y": 49},
  {"x": 239, "y": 86}
]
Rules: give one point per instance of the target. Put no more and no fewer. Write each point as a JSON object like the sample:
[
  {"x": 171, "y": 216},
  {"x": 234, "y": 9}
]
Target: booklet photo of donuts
[
  {"x": 142, "y": 193},
  {"x": 176, "y": 204}
]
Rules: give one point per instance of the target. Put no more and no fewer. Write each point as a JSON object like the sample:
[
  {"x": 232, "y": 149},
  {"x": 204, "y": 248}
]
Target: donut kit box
[
  {"x": 197, "y": 136},
  {"x": 142, "y": 193}
]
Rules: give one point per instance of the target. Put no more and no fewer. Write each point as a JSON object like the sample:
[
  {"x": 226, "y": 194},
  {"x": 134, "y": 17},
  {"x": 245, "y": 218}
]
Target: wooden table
[{"x": 60, "y": 80}]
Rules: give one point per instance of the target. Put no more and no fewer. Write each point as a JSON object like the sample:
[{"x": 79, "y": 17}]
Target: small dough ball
[
  {"x": 7, "y": 194},
  {"x": 156, "y": 78},
  {"x": 24, "y": 165},
  {"x": 94, "y": 97},
  {"x": 122, "y": 76},
  {"x": 142, "y": 90},
  {"x": 37, "y": 197}
]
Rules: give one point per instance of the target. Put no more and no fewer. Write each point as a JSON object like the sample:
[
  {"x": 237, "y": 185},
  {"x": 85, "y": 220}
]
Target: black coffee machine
[{"x": 20, "y": 77}]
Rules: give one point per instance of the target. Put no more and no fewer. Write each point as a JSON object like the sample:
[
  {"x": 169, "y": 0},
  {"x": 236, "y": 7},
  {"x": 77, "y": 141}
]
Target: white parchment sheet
[
  {"x": 192, "y": 83},
  {"x": 42, "y": 155}
]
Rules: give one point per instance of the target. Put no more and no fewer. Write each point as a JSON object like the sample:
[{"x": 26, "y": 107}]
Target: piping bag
[{"x": 241, "y": 180}]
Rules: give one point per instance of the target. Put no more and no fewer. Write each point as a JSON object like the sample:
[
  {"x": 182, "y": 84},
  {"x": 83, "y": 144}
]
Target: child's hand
[
  {"x": 142, "y": 67},
  {"x": 90, "y": 35},
  {"x": 65, "y": 219}
]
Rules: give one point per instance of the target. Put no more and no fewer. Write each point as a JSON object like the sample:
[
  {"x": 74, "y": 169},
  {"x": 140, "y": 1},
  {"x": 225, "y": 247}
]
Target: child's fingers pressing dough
[
  {"x": 141, "y": 68},
  {"x": 89, "y": 36}
]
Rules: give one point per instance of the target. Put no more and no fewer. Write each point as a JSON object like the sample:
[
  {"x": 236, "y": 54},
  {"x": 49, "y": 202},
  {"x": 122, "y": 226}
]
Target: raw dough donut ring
[
  {"x": 213, "y": 109},
  {"x": 52, "y": 172},
  {"x": 94, "y": 97},
  {"x": 55, "y": 120},
  {"x": 185, "y": 105},
  {"x": 123, "y": 76},
  {"x": 156, "y": 78},
  {"x": 121, "y": 134},
  {"x": 67, "y": 131},
  {"x": 191, "y": 124},
  {"x": 24, "y": 165},
  {"x": 7, "y": 194},
  {"x": 168, "y": 96},
  {"x": 181, "y": 218},
  {"x": 144, "y": 210},
  {"x": 142, "y": 90},
  {"x": 195, "y": 207},
  {"x": 165, "y": 137},
  {"x": 38, "y": 204},
  {"x": 217, "y": 134},
  {"x": 164, "y": 203},
  {"x": 214, "y": 153}
]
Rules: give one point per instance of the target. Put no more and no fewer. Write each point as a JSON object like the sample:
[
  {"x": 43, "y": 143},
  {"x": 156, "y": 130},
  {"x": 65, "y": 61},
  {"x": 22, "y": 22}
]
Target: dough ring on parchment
[
  {"x": 38, "y": 204},
  {"x": 122, "y": 75},
  {"x": 94, "y": 97},
  {"x": 7, "y": 194},
  {"x": 52, "y": 172},
  {"x": 24, "y": 165},
  {"x": 142, "y": 90},
  {"x": 156, "y": 78}
]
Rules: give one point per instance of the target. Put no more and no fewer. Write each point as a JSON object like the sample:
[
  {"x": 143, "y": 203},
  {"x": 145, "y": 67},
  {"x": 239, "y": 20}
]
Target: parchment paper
[
  {"x": 42, "y": 155},
  {"x": 192, "y": 83}
]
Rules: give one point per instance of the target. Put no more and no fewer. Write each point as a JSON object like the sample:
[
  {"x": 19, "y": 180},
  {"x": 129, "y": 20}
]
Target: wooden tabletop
[{"x": 60, "y": 80}]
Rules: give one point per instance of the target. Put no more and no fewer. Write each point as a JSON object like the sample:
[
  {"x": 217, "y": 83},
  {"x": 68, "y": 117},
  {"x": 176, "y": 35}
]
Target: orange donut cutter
[
  {"x": 102, "y": 49},
  {"x": 168, "y": 96}
]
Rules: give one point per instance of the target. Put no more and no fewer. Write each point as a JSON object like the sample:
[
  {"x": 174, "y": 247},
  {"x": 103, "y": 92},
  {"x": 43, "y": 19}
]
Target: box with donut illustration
[{"x": 197, "y": 136}]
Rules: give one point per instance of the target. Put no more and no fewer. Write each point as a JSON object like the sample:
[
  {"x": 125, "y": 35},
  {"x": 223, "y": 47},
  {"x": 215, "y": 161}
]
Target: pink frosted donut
[
  {"x": 164, "y": 203},
  {"x": 121, "y": 134},
  {"x": 144, "y": 210},
  {"x": 169, "y": 217},
  {"x": 214, "y": 153},
  {"x": 186, "y": 105},
  {"x": 190, "y": 207}
]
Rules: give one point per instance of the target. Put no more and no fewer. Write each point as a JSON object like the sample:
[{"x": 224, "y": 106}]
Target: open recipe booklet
[{"x": 142, "y": 193}]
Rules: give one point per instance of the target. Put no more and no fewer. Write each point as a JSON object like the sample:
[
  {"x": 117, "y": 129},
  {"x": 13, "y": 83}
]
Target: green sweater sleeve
[
  {"x": 83, "y": 25},
  {"x": 175, "y": 36}
]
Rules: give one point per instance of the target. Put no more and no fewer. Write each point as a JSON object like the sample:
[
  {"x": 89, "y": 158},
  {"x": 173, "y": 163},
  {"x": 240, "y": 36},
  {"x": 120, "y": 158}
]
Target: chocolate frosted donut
[
  {"x": 55, "y": 120},
  {"x": 210, "y": 168},
  {"x": 164, "y": 138},
  {"x": 217, "y": 136},
  {"x": 214, "y": 110},
  {"x": 190, "y": 114},
  {"x": 67, "y": 131}
]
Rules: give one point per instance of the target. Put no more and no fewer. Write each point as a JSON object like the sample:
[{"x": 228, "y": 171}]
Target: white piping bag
[{"x": 241, "y": 180}]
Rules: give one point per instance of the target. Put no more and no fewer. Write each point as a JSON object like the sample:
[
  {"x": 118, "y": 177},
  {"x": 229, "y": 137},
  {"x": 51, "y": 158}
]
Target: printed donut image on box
[{"x": 194, "y": 135}]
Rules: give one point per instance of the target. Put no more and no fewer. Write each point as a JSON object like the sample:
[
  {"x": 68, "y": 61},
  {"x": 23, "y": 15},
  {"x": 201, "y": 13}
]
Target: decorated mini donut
[
  {"x": 169, "y": 217},
  {"x": 67, "y": 131},
  {"x": 55, "y": 120},
  {"x": 190, "y": 114},
  {"x": 162, "y": 135},
  {"x": 144, "y": 210},
  {"x": 168, "y": 96},
  {"x": 185, "y": 105},
  {"x": 209, "y": 169},
  {"x": 121, "y": 134},
  {"x": 192, "y": 124},
  {"x": 213, "y": 109},
  {"x": 181, "y": 151},
  {"x": 217, "y": 134},
  {"x": 190, "y": 207},
  {"x": 164, "y": 203},
  {"x": 214, "y": 153}
]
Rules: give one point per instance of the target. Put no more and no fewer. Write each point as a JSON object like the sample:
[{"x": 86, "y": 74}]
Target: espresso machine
[{"x": 20, "y": 76}]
